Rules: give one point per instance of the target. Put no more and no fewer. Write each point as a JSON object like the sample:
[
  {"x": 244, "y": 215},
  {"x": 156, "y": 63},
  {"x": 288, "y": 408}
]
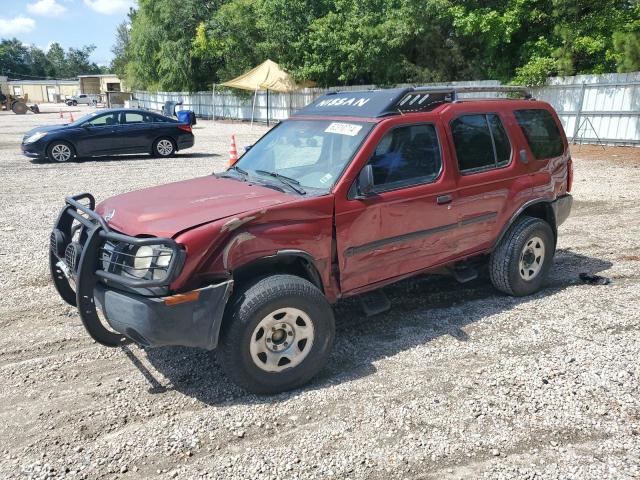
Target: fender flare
[
  {"x": 520, "y": 211},
  {"x": 309, "y": 263}
]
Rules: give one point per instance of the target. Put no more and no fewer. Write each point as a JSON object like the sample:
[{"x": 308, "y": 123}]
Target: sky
[{"x": 71, "y": 23}]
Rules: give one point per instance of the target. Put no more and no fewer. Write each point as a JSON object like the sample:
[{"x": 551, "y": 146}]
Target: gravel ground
[{"x": 456, "y": 381}]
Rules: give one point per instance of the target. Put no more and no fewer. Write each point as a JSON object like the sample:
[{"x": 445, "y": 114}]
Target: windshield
[{"x": 312, "y": 153}]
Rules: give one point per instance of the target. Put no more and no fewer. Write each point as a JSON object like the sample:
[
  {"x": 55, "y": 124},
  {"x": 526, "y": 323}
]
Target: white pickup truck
[{"x": 83, "y": 98}]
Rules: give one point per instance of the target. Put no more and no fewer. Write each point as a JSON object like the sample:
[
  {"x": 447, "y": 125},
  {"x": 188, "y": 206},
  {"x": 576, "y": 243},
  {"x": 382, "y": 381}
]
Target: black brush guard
[{"x": 88, "y": 271}]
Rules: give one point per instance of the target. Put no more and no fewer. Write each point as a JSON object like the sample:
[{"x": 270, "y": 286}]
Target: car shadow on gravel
[{"x": 423, "y": 308}]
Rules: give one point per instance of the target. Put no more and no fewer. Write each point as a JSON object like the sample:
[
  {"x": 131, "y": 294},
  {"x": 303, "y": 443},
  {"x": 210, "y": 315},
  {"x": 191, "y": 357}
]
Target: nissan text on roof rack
[{"x": 356, "y": 191}]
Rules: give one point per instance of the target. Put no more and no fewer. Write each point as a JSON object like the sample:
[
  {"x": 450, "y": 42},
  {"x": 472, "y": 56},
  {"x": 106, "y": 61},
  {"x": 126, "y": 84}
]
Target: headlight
[
  {"x": 149, "y": 261},
  {"x": 35, "y": 137}
]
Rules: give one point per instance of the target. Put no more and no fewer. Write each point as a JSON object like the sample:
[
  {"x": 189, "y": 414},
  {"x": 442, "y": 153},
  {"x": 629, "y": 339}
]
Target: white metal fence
[
  {"x": 597, "y": 108},
  {"x": 592, "y": 108}
]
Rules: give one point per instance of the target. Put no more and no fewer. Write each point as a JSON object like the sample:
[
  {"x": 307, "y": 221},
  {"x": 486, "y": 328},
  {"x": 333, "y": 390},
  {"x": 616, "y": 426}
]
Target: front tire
[
  {"x": 74, "y": 103},
  {"x": 277, "y": 334},
  {"x": 520, "y": 263},
  {"x": 163, "y": 147},
  {"x": 60, "y": 152}
]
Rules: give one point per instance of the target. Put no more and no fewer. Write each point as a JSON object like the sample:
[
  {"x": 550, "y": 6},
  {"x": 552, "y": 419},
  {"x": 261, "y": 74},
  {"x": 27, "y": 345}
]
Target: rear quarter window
[{"x": 541, "y": 131}]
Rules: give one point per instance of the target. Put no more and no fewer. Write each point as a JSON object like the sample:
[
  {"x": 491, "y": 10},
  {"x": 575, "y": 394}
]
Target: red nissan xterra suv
[{"x": 354, "y": 192}]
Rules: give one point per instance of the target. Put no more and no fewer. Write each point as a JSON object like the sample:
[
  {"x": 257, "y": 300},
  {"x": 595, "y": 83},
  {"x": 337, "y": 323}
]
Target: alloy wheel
[
  {"x": 61, "y": 152},
  {"x": 164, "y": 147}
]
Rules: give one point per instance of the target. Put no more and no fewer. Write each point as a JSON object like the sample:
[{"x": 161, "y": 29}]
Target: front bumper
[
  {"x": 151, "y": 322},
  {"x": 33, "y": 150},
  {"x": 138, "y": 308}
]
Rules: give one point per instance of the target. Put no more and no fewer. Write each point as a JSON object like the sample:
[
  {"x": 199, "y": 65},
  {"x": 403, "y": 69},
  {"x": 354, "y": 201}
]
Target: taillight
[
  {"x": 185, "y": 128},
  {"x": 569, "y": 174}
]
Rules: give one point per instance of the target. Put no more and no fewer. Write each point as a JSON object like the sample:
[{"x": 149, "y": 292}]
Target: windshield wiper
[
  {"x": 288, "y": 181},
  {"x": 237, "y": 169}
]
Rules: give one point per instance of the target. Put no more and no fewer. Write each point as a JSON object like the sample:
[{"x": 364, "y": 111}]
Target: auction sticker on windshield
[{"x": 344, "y": 128}]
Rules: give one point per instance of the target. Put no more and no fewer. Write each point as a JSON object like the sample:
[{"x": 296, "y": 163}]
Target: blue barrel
[{"x": 184, "y": 116}]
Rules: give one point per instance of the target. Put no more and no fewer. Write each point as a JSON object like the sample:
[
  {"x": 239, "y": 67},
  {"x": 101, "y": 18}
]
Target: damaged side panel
[{"x": 230, "y": 243}]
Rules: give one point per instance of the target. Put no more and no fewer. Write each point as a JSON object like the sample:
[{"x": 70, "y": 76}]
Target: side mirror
[{"x": 364, "y": 182}]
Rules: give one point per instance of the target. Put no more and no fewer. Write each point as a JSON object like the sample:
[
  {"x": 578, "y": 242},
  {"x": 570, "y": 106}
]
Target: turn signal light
[{"x": 182, "y": 298}]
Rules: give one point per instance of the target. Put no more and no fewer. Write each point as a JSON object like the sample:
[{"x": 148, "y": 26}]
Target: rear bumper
[
  {"x": 562, "y": 208},
  {"x": 185, "y": 141},
  {"x": 153, "y": 323}
]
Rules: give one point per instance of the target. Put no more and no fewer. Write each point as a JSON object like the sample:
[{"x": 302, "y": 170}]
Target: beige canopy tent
[{"x": 266, "y": 76}]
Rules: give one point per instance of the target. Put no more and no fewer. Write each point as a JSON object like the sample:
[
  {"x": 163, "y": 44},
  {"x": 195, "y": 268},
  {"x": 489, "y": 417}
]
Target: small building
[
  {"x": 99, "y": 84},
  {"x": 40, "y": 91}
]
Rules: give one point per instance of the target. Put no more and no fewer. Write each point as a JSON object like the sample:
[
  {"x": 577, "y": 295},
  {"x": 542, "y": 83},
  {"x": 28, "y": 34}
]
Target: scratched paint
[
  {"x": 236, "y": 223},
  {"x": 235, "y": 241}
]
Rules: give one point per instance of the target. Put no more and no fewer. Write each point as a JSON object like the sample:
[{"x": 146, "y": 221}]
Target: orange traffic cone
[
  {"x": 71, "y": 117},
  {"x": 233, "y": 151}
]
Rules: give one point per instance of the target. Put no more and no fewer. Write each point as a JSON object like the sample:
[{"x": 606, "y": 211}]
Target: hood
[{"x": 167, "y": 210}]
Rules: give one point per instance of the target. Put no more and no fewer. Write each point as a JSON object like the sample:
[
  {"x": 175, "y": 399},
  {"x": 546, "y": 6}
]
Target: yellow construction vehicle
[{"x": 17, "y": 105}]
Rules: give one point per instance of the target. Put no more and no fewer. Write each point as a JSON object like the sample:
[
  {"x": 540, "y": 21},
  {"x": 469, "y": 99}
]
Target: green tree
[
  {"x": 382, "y": 42},
  {"x": 14, "y": 58},
  {"x": 56, "y": 57},
  {"x": 159, "y": 52},
  {"x": 120, "y": 49},
  {"x": 626, "y": 42}
]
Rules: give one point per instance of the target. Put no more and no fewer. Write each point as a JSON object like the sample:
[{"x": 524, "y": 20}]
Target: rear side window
[
  {"x": 541, "y": 131},
  {"x": 134, "y": 117},
  {"x": 406, "y": 156},
  {"x": 481, "y": 142}
]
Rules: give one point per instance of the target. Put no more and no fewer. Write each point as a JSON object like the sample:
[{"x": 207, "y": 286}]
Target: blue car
[{"x": 109, "y": 132}]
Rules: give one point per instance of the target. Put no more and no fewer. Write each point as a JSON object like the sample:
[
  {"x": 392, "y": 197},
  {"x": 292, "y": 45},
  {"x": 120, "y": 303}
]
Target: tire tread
[
  {"x": 500, "y": 263},
  {"x": 249, "y": 299}
]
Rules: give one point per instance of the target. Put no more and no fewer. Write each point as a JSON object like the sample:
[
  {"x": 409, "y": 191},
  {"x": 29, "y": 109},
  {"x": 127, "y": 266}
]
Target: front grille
[{"x": 107, "y": 253}]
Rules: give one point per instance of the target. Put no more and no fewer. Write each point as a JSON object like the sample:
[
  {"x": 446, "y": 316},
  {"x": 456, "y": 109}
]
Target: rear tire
[
  {"x": 519, "y": 264},
  {"x": 277, "y": 334},
  {"x": 163, "y": 147},
  {"x": 60, "y": 152}
]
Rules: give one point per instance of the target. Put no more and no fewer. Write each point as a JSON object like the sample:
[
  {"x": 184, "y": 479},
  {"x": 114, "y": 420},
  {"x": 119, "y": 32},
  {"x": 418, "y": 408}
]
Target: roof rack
[
  {"x": 381, "y": 103},
  {"x": 421, "y": 99},
  {"x": 524, "y": 91}
]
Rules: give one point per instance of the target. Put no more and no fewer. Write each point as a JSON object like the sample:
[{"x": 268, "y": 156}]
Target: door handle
[{"x": 443, "y": 199}]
